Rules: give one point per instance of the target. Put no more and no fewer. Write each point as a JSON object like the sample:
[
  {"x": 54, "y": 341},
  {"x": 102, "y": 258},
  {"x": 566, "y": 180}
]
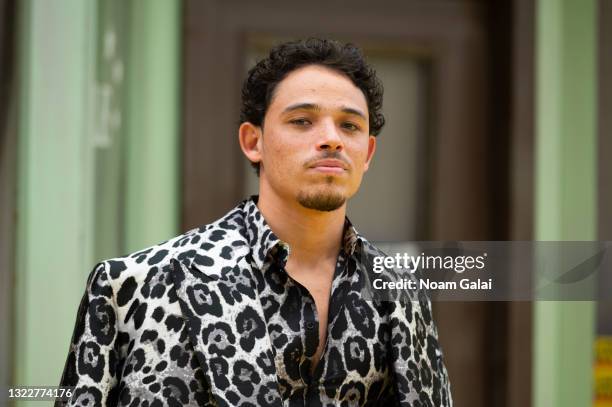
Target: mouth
[{"x": 329, "y": 166}]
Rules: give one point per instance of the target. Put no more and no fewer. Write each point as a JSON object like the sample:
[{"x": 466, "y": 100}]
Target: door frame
[
  {"x": 8, "y": 176},
  {"x": 462, "y": 39}
]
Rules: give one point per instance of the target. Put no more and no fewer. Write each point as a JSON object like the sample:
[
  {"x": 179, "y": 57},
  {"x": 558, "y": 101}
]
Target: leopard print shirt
[
  {"x": 192, "y": 321},
  {"x": 354, "y": 367}
]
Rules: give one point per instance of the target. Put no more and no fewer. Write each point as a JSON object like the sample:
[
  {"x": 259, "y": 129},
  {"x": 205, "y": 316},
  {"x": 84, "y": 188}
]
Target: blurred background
[{"x": 118, "y": 130}]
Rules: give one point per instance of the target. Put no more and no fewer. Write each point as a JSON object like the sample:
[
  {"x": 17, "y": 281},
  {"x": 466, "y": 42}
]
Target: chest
[
  {"x": 320, "y": 291},
  {"x": 315, "y": 287},
  {"x": 326, "y": 338}
]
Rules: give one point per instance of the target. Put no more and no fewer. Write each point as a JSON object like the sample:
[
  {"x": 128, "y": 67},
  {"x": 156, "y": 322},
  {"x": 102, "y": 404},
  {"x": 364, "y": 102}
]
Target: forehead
[{"x": 320, "y": 85}]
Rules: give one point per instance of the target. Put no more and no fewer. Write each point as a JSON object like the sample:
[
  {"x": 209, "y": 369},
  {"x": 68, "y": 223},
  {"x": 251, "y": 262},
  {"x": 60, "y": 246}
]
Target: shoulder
[
  {"x": 368, "y": 250},
  {"x": 202, "y": 245},
  {"x": 391, "y": 271}
]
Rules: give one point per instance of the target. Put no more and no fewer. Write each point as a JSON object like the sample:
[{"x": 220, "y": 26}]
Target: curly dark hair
[{"x": 348, "y": 59}]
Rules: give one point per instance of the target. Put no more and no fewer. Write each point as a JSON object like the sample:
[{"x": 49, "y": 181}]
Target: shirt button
[{"x": 310, "y": 325}]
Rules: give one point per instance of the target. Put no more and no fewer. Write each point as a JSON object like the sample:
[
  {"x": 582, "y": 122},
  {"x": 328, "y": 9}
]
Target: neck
[{"x": 313, "y": 235}]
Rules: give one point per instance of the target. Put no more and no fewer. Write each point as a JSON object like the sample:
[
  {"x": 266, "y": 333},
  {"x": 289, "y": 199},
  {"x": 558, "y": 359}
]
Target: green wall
[
  {"x": 97, "y": 156},
  {"x": 566, "y": 191},
  {"x": 152, "y": 195},
  {"x": 54, "y": 234}
]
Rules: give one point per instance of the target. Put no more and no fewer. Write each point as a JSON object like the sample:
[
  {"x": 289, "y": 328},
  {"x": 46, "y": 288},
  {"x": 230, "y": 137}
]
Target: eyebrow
[{"x": 317, "y": 108}]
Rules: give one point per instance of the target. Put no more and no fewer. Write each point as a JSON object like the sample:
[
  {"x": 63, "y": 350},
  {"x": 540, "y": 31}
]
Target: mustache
[{"x": 328, "y": 155}]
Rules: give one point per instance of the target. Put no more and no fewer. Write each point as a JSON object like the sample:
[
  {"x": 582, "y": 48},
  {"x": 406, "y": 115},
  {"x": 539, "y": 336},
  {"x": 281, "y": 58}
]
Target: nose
[{"x": 330, "y": 138}]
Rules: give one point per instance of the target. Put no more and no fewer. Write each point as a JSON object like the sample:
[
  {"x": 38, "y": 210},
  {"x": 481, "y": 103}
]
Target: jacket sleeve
[
  {"x": 423, "y": 378},
  {"x": 92, "y": 358}
]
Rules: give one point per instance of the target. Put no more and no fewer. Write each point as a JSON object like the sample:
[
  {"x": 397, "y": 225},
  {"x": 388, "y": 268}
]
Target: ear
[
  {"x": 371, "y": 150},
  {"x": 249, "y": 137}
]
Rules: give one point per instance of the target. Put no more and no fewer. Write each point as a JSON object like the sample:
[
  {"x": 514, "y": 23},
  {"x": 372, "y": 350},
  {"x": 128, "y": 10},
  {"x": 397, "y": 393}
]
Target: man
[{"x": 263, "y": 307}]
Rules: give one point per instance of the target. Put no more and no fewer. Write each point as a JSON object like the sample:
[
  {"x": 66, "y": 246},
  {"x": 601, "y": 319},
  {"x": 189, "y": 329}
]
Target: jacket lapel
[{"x": 227, "y": 329}]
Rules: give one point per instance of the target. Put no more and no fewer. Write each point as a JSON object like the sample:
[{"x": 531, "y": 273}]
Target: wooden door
[{"x": 463, "y": 170}]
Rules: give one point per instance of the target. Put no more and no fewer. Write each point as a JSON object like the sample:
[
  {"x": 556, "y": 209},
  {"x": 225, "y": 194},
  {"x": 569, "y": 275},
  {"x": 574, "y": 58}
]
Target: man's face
[{"x": 316, "y": 144}]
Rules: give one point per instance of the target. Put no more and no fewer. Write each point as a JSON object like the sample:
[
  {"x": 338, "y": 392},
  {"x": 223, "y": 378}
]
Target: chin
[{"x": 322, "y": 199}]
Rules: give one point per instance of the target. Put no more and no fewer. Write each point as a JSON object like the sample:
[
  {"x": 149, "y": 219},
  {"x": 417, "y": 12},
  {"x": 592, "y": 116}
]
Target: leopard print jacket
[{"x": 160, "y": 327}]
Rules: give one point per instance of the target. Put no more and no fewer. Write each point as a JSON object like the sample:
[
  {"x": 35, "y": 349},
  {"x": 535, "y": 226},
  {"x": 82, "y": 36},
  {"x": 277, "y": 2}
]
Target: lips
[{"x": 330, "y": 164}]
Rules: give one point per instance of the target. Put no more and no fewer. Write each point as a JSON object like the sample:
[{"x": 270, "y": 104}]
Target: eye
[
  {"x": 300, "y": 122},
  {"x": 350, "y": 126}
]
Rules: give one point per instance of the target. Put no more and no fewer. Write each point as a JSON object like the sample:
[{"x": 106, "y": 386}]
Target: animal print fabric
[
  {"x": 198, "y": 321},
  {"x": 353, "y": 368}
]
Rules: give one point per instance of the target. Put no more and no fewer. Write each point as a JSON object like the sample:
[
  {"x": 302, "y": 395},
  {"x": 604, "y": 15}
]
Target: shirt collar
[{"x": 262, "y": 240}]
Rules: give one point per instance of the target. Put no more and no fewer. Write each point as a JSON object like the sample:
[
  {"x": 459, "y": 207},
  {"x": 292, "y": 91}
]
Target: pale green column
[
  {"x": 66, "y": 160},
  {"x": 54, "y": 183},
  {"x": 565, "y": 190},
  {"x": 152, "y": 194}
]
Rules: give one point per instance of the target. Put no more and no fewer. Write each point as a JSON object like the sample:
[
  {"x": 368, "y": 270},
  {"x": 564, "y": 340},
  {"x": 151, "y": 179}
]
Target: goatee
[{"x": 321, "y": 201}]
